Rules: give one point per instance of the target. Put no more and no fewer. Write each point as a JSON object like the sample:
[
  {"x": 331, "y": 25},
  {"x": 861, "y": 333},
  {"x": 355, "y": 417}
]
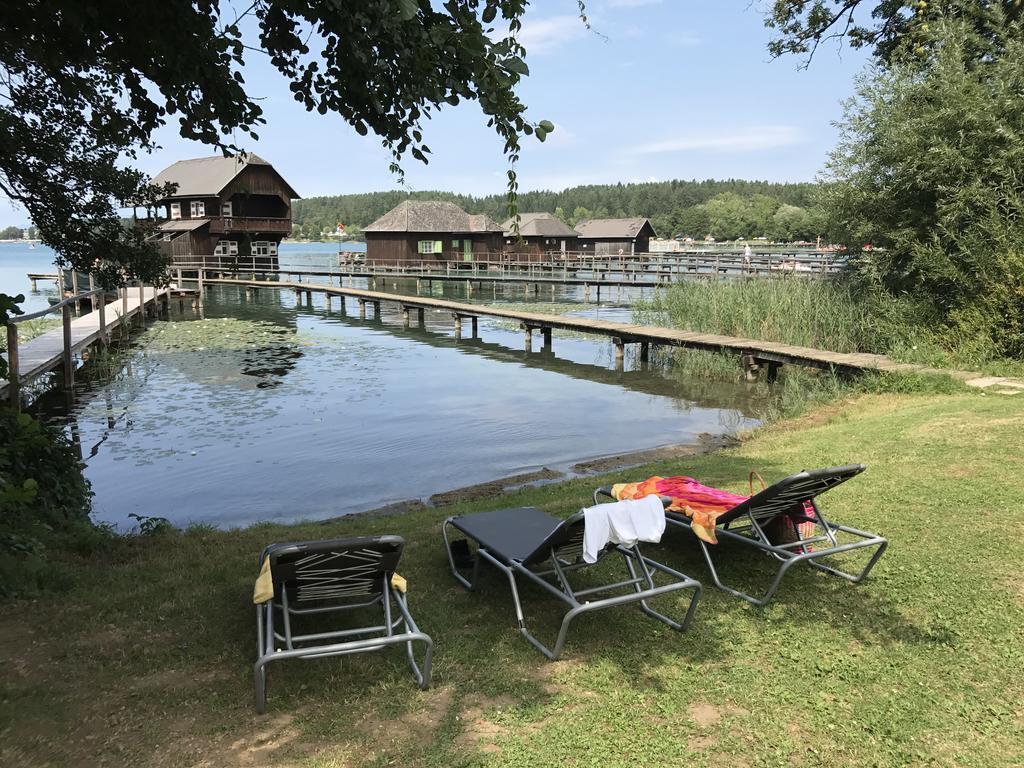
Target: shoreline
[{"x": 705, "y": 443}]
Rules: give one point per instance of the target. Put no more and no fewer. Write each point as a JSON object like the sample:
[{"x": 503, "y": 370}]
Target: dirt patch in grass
[
  {"x": 416, "y": 726},
  {"x": 706, "y": 715},
  {"x": 478, "y": 732}
]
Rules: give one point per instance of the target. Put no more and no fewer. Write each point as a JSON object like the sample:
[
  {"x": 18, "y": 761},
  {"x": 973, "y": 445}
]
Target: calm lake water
[{"x": 263, "y": 409}]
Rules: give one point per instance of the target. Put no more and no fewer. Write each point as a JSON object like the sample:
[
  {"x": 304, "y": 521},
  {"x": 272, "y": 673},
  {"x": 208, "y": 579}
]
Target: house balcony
[{"x": 225, "y": 225}]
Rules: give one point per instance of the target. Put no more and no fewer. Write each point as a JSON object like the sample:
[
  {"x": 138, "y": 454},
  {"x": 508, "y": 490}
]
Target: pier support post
[
  {"x": 376, "y": 310},
  {"x": 620, "y": 353},
  {"x": 586, "y": 292},
  {"x": 469, "y": 287},
  {"x": 546, "y": 333},
  {"x": 362, "y": 309},
  {"x": 599, "y": 293},
  {"x": 405, "y": 316},
  {"x": 74, "y": 290},
  {"x": 142, "y": 304},
  {"x": 327, "y": 301},
  {"x": 458, "y": 326},
  {"x": 309, "y": 298},
  {"x": 298, "y": 296},
  {"x": 68, "y": 358},
  {"x": 419, "y": 311},
  {"x": 13, "y": 377},
  {"x": 341, "y": 305},
  {"x": 474, "y": 325},
  {"x": 102, "y": 307},
  {"x": 645, "y": 351},
  {"x": 528, "y": 338},
  {"x": 750, "y": 367},
  {"x": 771, "y": 370}
]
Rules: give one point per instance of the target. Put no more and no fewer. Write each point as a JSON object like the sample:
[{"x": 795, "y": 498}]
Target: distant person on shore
[{"x": 747, "y": 253}]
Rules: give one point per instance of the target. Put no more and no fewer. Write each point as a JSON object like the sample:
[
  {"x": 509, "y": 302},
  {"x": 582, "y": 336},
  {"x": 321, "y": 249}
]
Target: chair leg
[{"x": 422, "y": 674}]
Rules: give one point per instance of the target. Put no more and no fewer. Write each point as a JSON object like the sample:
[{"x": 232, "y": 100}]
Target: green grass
[
  {"x": 29, "y": 329},
  {"x": 145, "y": 659}
]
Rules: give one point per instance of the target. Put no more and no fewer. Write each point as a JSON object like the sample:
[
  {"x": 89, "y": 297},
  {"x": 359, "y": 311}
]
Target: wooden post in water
[
  {"x": 327, "y": 300},
  {"x": 68, "y": 358},
  {"x": 362, "y": 309},
  {"x": 620, "y": 353},
  {"x": 458, "y": 326},
  {"x": 142, "y": 304},
  {"x": 645, "y": 348},
  {"x": 405, "y": 316},
  {"x": 546, "y": 333},
  {"x": 419, "y": 310},
  {"x": 13, "y": 377},
  {"x": 74, "y": 290},
  {"x": 528, "y": 337},
  {"x": 586, "y": 292},
  {"x": 102, "y": 308},
  {"x": 124, "y": 310},
  {"x": 376, "y": 310},
  {"x": 474, "y": 324}
]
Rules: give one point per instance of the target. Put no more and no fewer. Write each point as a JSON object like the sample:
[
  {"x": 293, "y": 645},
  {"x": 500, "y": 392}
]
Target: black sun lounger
[
  {"x": 313, "y": 578},
  {"x": 746, "y": 523},
  {"x": 546, "y": 550}
]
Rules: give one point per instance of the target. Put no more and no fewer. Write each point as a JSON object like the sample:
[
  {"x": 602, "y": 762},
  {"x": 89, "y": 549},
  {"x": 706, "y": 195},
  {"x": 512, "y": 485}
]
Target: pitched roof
[
  {"x": 623, "y": 228},
  {"x": 431, "y": 216},
  {"x": 539, "y": 225},
  {"x": 207, "y": 176},
  {"x": 182, "y": 225}
]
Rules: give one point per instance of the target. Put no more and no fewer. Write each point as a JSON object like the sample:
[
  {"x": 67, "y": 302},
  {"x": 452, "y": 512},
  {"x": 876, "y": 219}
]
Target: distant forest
[{"x": 726, "y": 210}]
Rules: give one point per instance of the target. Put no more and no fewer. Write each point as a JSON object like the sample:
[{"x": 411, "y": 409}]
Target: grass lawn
[{"x": 145, "y": 660}]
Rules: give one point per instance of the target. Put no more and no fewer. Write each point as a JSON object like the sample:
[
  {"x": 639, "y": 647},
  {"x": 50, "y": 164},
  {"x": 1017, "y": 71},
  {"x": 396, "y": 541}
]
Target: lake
[{"x": 264, "y": 409}]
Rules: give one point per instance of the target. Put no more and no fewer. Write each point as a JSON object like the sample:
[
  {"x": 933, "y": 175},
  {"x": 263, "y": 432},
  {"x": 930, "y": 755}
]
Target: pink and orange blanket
[{"x": 702, "y": 504}]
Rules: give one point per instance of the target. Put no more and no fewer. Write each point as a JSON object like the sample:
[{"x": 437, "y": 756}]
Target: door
[{"x": 467, "y": 250}]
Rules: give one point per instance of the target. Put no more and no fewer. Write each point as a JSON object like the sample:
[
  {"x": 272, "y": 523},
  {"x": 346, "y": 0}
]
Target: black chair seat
[{"x": 509, "y": 534}]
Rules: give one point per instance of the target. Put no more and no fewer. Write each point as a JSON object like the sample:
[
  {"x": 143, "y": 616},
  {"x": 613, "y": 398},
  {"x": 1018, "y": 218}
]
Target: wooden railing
[{"x": 223, "y": 224}]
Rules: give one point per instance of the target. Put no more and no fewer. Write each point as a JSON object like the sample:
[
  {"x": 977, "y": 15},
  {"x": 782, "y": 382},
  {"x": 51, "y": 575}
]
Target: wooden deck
[
  {"x": 757, "y": 356},
  {"x": 47, "y": 351}
]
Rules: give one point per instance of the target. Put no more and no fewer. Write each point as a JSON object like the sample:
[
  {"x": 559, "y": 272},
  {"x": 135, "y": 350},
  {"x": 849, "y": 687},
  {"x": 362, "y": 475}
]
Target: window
[
  {"x": 226, "y": 248},
  {"x": 431, "y": 246},
  {"x": 197, "y": 209},
  {"x": 227, "y": 210},
  {"x": 455, "y": 245},
  {"x": 167, "y": 237},
  {"x": 264, "y": 248},
  {"x": 175, "y": 210}
]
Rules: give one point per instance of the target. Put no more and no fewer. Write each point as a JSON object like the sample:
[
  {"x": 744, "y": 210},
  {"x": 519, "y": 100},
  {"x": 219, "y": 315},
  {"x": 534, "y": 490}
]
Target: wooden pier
[
  {"x": 26, "y": 361},
  {"x": 759, "y": 358}
]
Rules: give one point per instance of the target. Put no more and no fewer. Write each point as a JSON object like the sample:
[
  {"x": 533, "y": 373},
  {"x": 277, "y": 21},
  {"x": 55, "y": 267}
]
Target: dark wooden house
[
  {"x": 427, "y": 230},
  {"x": 539, "y": 234},
  {"x": 225, "y": 211},
  {"x": 603, "y": 237}
]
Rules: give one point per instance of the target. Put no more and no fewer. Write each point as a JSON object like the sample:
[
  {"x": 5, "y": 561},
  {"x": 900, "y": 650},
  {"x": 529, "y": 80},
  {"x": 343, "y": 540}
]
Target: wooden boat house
[
  {"x": 603, "y": 237},
  {"x": 226, "y": 210},
  {"x": 429, "y": 230},
  {"x": 539, "y": 234}
]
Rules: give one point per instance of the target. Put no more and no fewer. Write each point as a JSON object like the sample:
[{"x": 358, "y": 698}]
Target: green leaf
[
  {"x": 517, "y": 65},
  {"x": 408, "y": 9},
  {"x": 546, "y": 125}
]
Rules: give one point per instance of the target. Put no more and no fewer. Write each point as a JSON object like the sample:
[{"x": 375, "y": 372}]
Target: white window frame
[
  {"x": 428, "y": 247},
  {"x": 226, "y": 248},
  {"x": 264, "y": 248},
  {"x": 167, "y": 237},
  {"x": 197, "y": 209},
  {"x": 175, "y": 210},
  {"x": 227, "y": 210}
]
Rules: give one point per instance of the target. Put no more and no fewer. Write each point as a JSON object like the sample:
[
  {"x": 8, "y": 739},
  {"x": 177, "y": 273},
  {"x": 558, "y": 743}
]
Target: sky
[{"x": 659, "y": 89}]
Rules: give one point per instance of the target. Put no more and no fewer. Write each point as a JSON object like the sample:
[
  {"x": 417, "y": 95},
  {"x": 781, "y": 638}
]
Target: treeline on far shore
[{"x": 726, "y": 210}]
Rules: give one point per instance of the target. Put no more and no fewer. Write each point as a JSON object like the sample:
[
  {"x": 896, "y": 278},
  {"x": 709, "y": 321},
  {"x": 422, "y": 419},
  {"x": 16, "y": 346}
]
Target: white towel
[{"x": 622, "y": 522}]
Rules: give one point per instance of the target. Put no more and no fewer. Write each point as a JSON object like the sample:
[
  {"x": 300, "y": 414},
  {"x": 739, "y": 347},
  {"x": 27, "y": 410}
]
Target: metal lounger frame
[
  {"x": 638, "y": 565},
  {"x": 788, "y": 554},
  {"x": 394, "y": 630}
]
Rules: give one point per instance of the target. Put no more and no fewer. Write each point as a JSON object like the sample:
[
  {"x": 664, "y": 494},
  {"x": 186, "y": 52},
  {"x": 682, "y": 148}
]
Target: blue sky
[{"x": 670, "y": 89}]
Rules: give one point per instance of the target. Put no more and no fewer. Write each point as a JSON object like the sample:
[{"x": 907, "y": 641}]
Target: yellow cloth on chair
[{"x": 263, "y": 590}]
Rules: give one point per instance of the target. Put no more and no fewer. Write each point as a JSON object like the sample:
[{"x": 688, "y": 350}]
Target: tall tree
[
  {"x": 85, "y": 83},
  {"x": 929, "y": 168}
]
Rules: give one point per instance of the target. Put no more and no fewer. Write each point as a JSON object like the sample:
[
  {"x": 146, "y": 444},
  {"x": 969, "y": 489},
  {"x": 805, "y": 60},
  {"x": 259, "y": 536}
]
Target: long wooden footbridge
[
  {"x": 78, "y": 331},
  {"x": 757, "y": 357}
]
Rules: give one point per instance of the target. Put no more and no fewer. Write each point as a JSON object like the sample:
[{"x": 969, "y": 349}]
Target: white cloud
[
  {"x": 542, "y": 35},
  {"x": 751, "y": 139}
]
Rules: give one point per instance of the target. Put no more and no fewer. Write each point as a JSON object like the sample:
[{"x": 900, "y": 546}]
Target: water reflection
[{"x": 261, "y": 410}]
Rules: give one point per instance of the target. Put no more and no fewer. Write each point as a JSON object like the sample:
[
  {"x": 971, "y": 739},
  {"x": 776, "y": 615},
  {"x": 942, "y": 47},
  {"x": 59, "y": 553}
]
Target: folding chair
[
  {"x": 523, "y": 541},
  {"x": 314, "y": 578},
  {"x": 787, "y": 497}
]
